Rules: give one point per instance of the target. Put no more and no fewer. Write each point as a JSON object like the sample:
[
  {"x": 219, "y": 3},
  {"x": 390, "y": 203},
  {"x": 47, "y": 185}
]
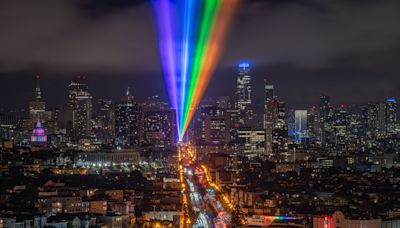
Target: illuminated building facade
[
  {"x": 280, "y": 132},
  {"x": 325, "y": 118},
  {"x": 38, "y": 136},
  {"x": 338, "y": 219},
  {"x": 370, "y": 120},
  {"x": 269, "y": 91},
  {"x": 108, "y": 157},
  {"x": 159, "y": 128},
  {"x": 341, "y": 126},
  {"x": 312, "y": 121},
  {"x": 268, "y": 96},
  {"x": 243, "y": 95},
  {"x": 104, "y": 121},
  {"x": 83, "y": 115},
  {"x": 301, "y": 128},
  {"x": 37, "y": 107},
  {"x": 243, "y": 87},
  {"x": 80, "y": 101},
  {"x": 271, "y": 118},
  {"x": 214, "y": 126},
  {"x": 223, "y": 102},
  {"x": 276, "y": 128},
  {"x": 251, "y": 142},
  {"x": 382, "y": 118},
  {"x": 291, "y": 122},
  {"x": 128, "y": 117},
  {"x": 391, "y": 115}
]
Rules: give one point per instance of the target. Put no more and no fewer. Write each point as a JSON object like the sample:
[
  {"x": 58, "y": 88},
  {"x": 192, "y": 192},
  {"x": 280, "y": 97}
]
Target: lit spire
[
  {"x": 38, "y": 123},
  {"x": 38, "y": 93},
  {"x": 128, "y": 94}
]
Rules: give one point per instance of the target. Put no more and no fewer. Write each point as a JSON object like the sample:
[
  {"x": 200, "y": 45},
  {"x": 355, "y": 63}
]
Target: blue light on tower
[
  {"x": 391, "y": 99},
  {"x": 244, "y": 65}
]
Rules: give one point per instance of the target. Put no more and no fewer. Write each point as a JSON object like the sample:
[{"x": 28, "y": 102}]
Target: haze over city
[
  {"x": 199, "y": 113},
  {"x": 306, "y": 47}
]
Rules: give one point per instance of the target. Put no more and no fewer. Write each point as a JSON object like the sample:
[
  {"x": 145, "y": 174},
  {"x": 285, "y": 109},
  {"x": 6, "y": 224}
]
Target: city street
[{"x": 208, "y": 206}]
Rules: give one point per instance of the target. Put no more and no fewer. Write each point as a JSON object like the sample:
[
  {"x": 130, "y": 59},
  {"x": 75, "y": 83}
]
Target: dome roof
[
  {"x": 38, "y": 130},
  {"x": 38, "y": 133}
]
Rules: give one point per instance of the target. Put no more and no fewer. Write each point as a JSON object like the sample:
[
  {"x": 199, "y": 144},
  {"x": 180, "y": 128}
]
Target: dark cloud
[
  {"x": 58, "y": 35},
  {"x": 101, "y": 8},
  {"x": 304, "y": 36},
  {"x": 311, "y": 42}
]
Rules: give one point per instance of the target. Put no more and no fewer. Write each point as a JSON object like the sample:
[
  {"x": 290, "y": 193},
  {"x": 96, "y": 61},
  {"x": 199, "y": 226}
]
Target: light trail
[
  {"x": 196, "y": 182},
  {"x": 214, "y": 198}
]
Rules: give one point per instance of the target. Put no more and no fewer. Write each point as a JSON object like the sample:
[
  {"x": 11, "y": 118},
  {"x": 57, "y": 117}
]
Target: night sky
[{"x": 349, "y": 49}]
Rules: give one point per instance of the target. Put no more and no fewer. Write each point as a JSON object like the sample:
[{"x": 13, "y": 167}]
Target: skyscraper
[
  {"x": 313, "y": 121},
  {"x": 243, "y": 87},
  {"x": 83, "y": 115},
  {"x": 291, "y": 122},
  {"x": 300, "y": 124},
  {"x": 104, "y": 121},
  {"x": 214, "y": 126},
  {"x": 128, "y": 118},
  {"x": 370, "y": 119},
  {"x": 80, "y": 101},
  {"x": 223, "y": 102},
  {"x": 276, "y": 129},
  {"x": 37, "y": 107},
  {"x": 382, "y": 118},
  {"x": 159, "y": 127},
  {"x": 325, "y": 119},
  {"x": 271, "y": 118},
  {"x": 251, "y": 142},
  {"x": 341, "y": 126},
  {"x": 268, "y": 96},
  {"x": 78, "y": 85},
  {"x": 268, "y": 91},
  {"x": 391, "y": 115},
  {"x": 280, "y": 129},
  {"x": 325, "y": 108},
  {"x": 244, "y": 104},
  {"x": 324, "y": 101}
]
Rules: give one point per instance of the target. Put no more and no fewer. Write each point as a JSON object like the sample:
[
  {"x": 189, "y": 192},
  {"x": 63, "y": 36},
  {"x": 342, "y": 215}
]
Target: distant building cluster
[
  {"x": 273, "y": 132},
  {"x": 82, "y": 124},
  {"x": 267, "y": 130},
  {"x": 105, "y": 163}
]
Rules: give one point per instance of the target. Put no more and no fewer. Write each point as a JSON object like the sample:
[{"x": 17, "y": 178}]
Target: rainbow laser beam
[
  {"x": 190, "y": 34},
  {"x": 188, "y": 45},
  {"x": 211, "y": 56},
  {"x": 167, "y": 44}
]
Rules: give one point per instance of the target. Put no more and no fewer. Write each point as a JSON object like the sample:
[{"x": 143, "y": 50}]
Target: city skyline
[
  {"x": 55, "y": 91},
  {"x": 199, "y": 114}
]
